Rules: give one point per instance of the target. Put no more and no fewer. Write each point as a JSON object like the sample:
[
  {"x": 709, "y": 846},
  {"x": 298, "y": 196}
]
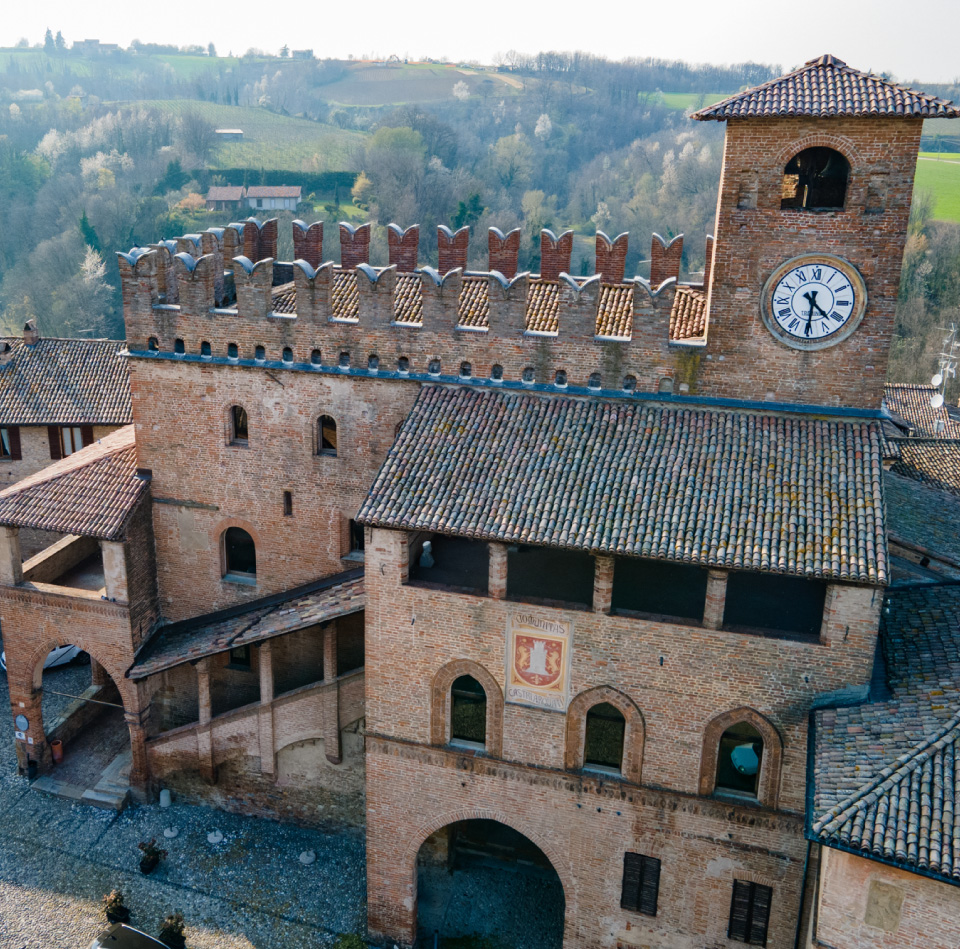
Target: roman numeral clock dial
[{"x": 813, "y": 301}]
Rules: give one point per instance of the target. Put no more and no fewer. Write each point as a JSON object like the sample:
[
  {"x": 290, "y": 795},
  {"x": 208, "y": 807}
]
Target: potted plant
[
  {"x": 171, "y": 931},
  {"x": 152, "y": 855},
  {"x": 114, "y": 907}
]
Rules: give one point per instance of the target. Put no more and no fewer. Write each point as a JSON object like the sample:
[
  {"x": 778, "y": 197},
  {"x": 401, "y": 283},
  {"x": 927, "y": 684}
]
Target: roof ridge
[{"x": 905, "y": 764}]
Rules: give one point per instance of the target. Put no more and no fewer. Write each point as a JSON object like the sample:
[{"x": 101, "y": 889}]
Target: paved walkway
[{"x": 57, "y": 858}]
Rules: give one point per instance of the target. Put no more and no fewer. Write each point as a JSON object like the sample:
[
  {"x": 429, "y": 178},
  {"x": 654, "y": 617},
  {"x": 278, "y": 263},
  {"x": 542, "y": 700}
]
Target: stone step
[
  {"x": 109, "y": 800},
  {"x": 50, "y": 785}
]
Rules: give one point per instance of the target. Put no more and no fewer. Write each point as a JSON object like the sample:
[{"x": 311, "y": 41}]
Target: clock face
[{"x": 813, "y": 301}]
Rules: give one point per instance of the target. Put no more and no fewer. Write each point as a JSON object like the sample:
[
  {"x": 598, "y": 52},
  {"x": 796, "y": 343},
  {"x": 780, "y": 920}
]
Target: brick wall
[
  {"x": 752, "y": 241},
  {"x": 680, "y": 677},
  {"x": 867, "y": 905}
]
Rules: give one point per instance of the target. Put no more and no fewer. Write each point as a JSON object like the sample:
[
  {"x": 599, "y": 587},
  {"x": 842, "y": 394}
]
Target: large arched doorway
[{"x": 483, "y": 884}]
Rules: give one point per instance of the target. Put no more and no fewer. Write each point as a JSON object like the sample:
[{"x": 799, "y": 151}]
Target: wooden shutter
[
  {"x": 630, "y": 889},
  {"x": 649, "y": 886},
  {"x": 86, "y": 435},
  {"x": 56, "y": 451},
  {"x": 13, "y": 433},
  {"x": 739, "y": 927},
  {"x": 760, "y": 914}
]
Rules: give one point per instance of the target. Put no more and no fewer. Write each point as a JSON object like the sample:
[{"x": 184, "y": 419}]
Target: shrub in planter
[
  {"x": 171, "y": 931},
  {"x": 114, "y": 907},
  {"x": 152, "y": 855}
]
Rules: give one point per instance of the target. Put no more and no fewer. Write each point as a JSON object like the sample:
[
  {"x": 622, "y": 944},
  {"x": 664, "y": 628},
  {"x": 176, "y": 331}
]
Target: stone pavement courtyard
[{"x": 58, "y": 858}]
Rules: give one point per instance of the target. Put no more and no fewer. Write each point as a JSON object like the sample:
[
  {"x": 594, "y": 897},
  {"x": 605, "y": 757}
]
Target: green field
[
  {"x": 941, "y": 156},
  {"x": 681, "y": 101},
  {"x": 942, "y": 179},
  {"x": 270, "y": 140},
  {"x": 123, "y": 63}
]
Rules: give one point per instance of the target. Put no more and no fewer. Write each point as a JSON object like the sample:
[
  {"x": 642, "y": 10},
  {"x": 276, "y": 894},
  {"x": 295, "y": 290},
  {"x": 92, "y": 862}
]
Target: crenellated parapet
[{"x": 190, "y": 296}]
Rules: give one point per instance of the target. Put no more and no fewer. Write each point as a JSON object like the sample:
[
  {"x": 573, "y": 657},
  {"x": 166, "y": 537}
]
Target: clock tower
[{"x": 811, "y": 224}]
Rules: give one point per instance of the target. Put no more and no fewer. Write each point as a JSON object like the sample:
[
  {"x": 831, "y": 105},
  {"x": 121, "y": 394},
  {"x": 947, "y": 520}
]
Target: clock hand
[
  {"x": 813, "y": 302},
  {"x": 810, "y": 299}
]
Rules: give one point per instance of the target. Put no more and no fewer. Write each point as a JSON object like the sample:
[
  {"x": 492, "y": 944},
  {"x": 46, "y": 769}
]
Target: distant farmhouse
[
  {"x": 229, "y": 135},
  {"x": 260, "y": 197}
]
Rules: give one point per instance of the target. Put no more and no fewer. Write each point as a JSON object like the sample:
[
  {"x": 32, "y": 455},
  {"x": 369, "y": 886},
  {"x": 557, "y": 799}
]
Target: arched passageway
[{"x": 483, "y": 884}]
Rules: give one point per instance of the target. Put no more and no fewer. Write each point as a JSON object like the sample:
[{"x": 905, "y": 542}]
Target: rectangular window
[
  {"x": 10, "y": 443},
  {"x": 756, "y": 601},
  {"x": 241, "y": 429},
  {"x": 451, "y": 562},
  {"x": 749, "y": 913},
  {"x": 538, "y": 574},
  {"x": 356, "y": 538},
  {"x": 240, "y": 657},
  {"x": 288, "y": 503},
  {"x": 641, "y": 884},
  {"x": 658, "y": 588}
]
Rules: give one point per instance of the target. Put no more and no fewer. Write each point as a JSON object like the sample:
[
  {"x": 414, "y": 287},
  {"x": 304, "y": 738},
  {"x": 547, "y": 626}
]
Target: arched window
[
  {"x": 815, "y": 180},
  {"x": 153, "y": 345},
  {"x": 205, "y": 349},
  {"x": 327, "y": 436},
  {"x": 603, "y": 742},
  {"x": 239, "y": 430},
  {"x": 239, "y": 553},
  {"x": 738, "y": 760},
  {"x": 178, "y": 347},
  {"x": 233, "y": 352},
  {"x": 468, "y": 711}
]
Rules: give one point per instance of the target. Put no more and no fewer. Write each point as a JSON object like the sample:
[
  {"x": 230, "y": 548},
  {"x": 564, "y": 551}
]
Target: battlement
[{"x": 598, "y": 331}]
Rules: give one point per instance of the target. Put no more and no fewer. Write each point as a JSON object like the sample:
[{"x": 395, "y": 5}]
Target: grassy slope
[
  {"x": 270, "y": 140},
  {"x": 943, "y": 179},
  {"x": 691, "y": 100}
]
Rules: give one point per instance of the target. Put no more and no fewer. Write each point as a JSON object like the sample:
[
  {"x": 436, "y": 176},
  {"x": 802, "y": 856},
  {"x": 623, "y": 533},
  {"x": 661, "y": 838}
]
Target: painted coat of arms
[{"x": 538, "y": 661}]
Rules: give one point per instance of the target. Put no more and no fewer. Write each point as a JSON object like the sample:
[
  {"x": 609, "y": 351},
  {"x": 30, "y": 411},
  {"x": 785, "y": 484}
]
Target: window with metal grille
[
  {"x": 468, "y": 711},
  {"x": 603, "y": 744},
  {"x": 641, "y": 884},
  {"x": 749, "y": 913}
]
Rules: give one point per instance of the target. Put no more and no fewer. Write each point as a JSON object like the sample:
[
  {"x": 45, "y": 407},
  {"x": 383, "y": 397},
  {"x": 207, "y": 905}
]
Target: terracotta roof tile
[
  {"x": 728, "y": 489},
  {"x": 91, "y": 492},
  {"x": 887, "y": 774},
  {"x": 911, "y": 403},
  {"x": 474, "y": 304},
  {"x": 225, "y": 193},
  {"x": 688, "y": 315},
  {"x": 922, "y": 516},
  {"x": 827, "y": 86},
  {"x": 408, "y": 299},
  {"x": 935, "y": 462},
  {"x": 252, "y": 622},
  {"x": 345, "y": 297},
  {"x": 65, "y": 382},
  {"x": 615, "y": 311},
  {"x": 274, "y": 191},
  {"x": 284, "y": 298}
]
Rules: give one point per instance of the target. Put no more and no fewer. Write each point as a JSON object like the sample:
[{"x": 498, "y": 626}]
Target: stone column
[
  {"x": 11, "y": 561},
  {"x": 115, "y": 570},
  {"x": 603, "y": 584},
  {"x": 140, "y": 767},
  {"x": 716, "y": 598},
  {"x": 266, "y": 708},
  {"x": 205, "y": 761},
  {"x": 331, "y": 696},
  {"x": 497, "y": 580}
]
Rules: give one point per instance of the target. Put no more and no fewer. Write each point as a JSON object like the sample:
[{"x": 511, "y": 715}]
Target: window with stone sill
[
  {"x": 327, "y": 436},
  {"x": 603, "y": 740},
  {"x": 468, "y": 713},
  {"x": 239, "y": 556},
  {"x": 739, "y": 760}
]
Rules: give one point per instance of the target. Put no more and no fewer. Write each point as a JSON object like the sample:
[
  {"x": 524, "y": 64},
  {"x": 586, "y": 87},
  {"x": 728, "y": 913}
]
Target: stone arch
[
  {"x": 839, "y": 143},
  {"x": 440, "y": 705},
  {"x": 768, "y": 785},
  {"x": 634, "y": 736},
  {"x": 557, "y": 861}
]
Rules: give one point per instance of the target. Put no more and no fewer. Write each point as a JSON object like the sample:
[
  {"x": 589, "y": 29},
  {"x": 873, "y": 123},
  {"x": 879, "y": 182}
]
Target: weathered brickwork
[
  {"x": 659, "y": 668},
  {"x": 752, "y": 241}
]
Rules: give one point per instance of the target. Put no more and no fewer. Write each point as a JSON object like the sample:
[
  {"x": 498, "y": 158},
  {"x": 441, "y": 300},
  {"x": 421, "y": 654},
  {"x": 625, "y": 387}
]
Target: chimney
[
  {"x": 6, "y": 354},
  {"x": 30, "y": 335}
]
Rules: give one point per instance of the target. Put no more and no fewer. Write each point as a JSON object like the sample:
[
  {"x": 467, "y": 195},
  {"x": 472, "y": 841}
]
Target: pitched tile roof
[
  {"x": 615, "y": 312},
  {"x": 729, "y": 489},
  {"x": 344, "y": 296},
  {"x": 90, "y": 492},
  {"x": 408, "y": 299},
  {"x": 923, "y": 517},
  {"x": 274, "y": 191},
  {"x": 284, "y": 298},
  {"x": 688, "y": 315},
  {"x": 474, "y": 303},
  {"x": 910, "y": 402},
  {"x": 65, "y": 382},
  {"x": 225, "y": 193},
  {"x": 827, "y": 86},
  {"x": 935, "y": 462},
  {"x": 252, "y": 622},
  {"x": 887, "y": 774}
]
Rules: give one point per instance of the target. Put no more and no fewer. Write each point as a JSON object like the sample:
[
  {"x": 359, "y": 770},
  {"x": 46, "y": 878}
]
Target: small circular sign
[{"x": 22, "y": 723}]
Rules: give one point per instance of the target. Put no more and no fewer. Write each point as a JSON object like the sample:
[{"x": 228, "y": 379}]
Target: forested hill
[{"x": 106, "y": 148}]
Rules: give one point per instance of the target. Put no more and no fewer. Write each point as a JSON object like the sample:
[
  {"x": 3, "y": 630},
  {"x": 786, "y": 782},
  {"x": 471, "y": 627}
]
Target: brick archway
[
  {"x": 634, "y": 736},
  {"x": 839, "y": 143},
  {"x": 768, "y": 785},
  {"x": 440, "y": 704}
]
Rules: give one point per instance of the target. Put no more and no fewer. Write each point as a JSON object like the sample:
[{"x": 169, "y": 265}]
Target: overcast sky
[{"x": 912, "y": 42}]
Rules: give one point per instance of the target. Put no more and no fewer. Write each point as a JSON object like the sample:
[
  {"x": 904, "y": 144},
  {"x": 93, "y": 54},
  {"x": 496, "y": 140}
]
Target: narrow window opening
[
  {"x": 496, "y": 373},
  {"x": 666, "y": 385},
  {"x": 74, "y": 437},
  {"x": 373, "y": 363},
  {"x": 356, "y": 540},
  {"x": 178, "y": 347},
  {"x": 287, "y": 503},
  {"x": 287, "y": 354},
  {"x": 434, "y": 367},
  {"x": 327, "y": 436},
  {"x": 466, "y": 370},
  {"x": 815, "y": 180},
  {"x": 528, "y": 375},
  {"x": 468, "y": 712},
  {"x": 640, "y": 889},
  {"x": 738, "y": 760},
  {"x": 239, "y": 553},
  {"x": 603, "y": 743},
  {"x": 260, "y": 354},
  {"x": 240, "y": 432},
  {"x": 594, "y": 381},
  {"x": 629, "y": 383},
  {"x": 403, "y": 364},
  {"x": 233, "y": 351},
  {"x": 153, "y": 344},
  {"x": 561, "y": 379},
  {"x": 205, "y": 349},
  {"x": 315, "y": 357},
  {"x": 344, "y": 361}
]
